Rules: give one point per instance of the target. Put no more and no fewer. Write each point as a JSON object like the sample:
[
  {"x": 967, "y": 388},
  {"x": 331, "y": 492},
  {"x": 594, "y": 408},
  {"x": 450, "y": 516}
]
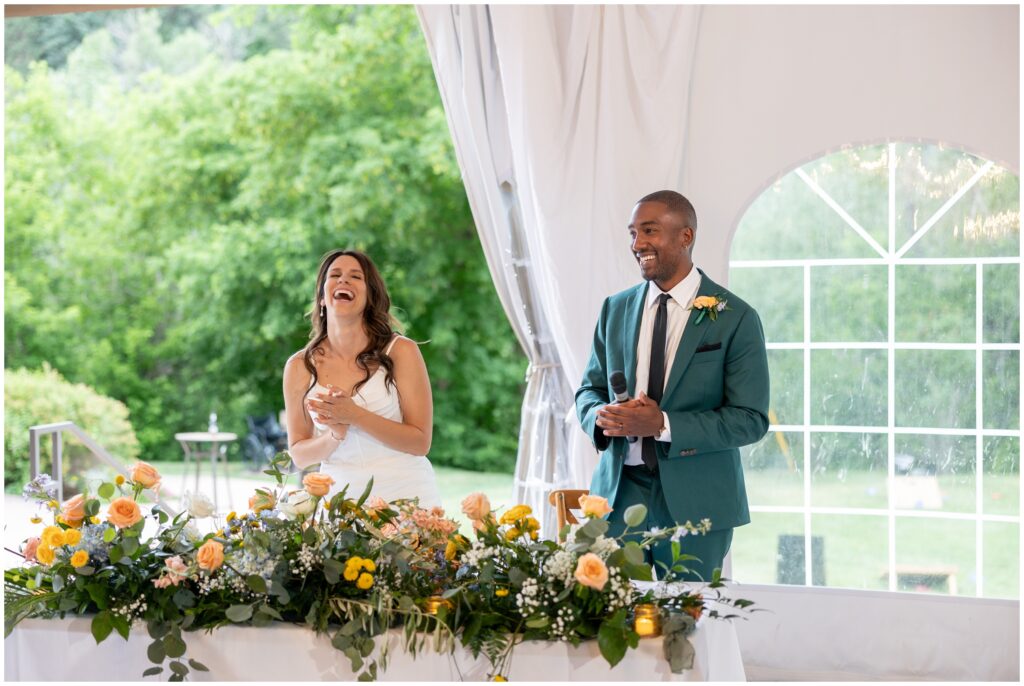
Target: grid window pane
[
  {"x": 983, "y": 223},
  {"x": 935, "y": 303},
  {"x": 848, "y": 387},
  {"x": 1001, "y": 382},
  {"x": 1001, "y": 313},
  {"x": 849, "y": 304},
  {"x": 855, "y": 548},
  {"x": 786, "y": 370},
  {"x": 773, "y": 469},
  {"x": 789, "y": 221},
  {"x": 777, "y": 295},
  {"x": 935, "y": 556},
  {"x": 763, "y": 551},
  {"x": 935, "y": 388},
  {"x": 849, "y": 470},
  {"x": 1001, "y": 559},
  {"x": 1001, "y": 481},
  {"x": 935, "y": 472}
]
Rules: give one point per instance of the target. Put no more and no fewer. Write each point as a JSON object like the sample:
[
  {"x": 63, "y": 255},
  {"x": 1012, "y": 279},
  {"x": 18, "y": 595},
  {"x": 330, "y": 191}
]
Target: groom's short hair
[{"x": 676, "y": 204}]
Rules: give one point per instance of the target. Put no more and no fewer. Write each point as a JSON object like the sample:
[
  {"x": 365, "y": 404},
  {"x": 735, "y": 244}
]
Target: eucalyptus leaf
[
  {"x": 157, "y": 629},
  {"x": 152, "y": 671},
  {"x": 57, "y": 583},
  {"x": 635, "y": 515},
  {"x": 179, "y": 668},
  {"x": 173, "y": 645},
  {"x": 332, "y": 570},
  {"x": 155, "y": 652},
  {"x": 239, "y": 613},
  {"x": 92, "y": 507},
  {"x": 198, "y": 666},
  {"x": 257, "y": 583},
  {"x": 109, "y": 534},
  {"x": 633, "y": 553}
]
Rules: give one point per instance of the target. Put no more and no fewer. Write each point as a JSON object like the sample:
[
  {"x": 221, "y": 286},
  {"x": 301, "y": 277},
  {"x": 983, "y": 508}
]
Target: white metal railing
[{"x": 56, "y": 433}]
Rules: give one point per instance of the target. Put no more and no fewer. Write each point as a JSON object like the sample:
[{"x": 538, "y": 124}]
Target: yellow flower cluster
[
  {"x": 79, "y": 558},
  {"x": 354, "y": 571},
  {"x": 53, "y": 537},
  {"x": 519, "y": 516},
  {"x": 705, "y": 301}
]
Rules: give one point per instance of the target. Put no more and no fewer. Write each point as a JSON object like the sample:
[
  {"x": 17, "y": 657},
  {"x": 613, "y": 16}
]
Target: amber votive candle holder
[
  {"x": 434, "y": 603},
  {"x": 647, "y": 620}
]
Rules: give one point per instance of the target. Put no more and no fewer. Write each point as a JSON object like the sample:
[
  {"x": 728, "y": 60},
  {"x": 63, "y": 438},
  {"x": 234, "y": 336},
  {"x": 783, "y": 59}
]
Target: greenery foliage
[
  {"x": 351, "y": 568},
  {"x": 168, "y": 198},
  {"x": 44, "y": 397}
]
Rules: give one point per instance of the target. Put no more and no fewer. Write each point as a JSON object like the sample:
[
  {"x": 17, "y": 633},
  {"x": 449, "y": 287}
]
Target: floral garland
[{"x": 348, "y": 568}]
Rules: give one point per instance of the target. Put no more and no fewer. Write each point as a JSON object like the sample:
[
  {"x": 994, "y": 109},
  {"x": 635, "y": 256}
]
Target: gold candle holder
[
  {"x": 434, "y": 603},
  {"x": 647, "y": 620}
]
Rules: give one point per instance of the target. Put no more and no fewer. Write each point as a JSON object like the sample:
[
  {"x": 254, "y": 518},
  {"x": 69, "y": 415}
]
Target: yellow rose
[
  {"x": 44, "y": 554},
  {"x": 591, "y": 571},
  {"x": 704, "y": 301},
  {"x": 53, "y": 537},
  {"x": 450, "y": 551},
  {"x": 73, "y": 510},
  {"x": 501, "y": 592},
  {"x": 531, "y": 524},
  {"x": 210, "y": 555},
  {"x": 476, "y": 506},
  {"x": 145, "y": 475},
  {"x": 72, "y": 537},
  {"x": 123, "y": 512},
  {"x": 516, "y": 513},
  {"x": 79, "y": 558},
  {"x": 317, "y": 484},
  {"x": 594, "y": 505},
  {"x": 512, "y": 534},
  {"x": 365, "y": 581}
]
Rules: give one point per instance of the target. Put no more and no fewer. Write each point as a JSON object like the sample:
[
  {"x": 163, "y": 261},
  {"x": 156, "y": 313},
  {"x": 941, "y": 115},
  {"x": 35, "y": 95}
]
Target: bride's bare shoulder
[{"x": 295, "y": 368}]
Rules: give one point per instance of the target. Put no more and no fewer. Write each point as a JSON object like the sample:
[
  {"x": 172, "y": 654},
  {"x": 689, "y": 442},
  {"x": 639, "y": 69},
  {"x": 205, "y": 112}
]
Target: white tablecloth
[{"x": 64, "y": 650}]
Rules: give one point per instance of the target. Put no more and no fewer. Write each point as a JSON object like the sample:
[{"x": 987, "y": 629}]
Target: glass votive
[
  {"x": 647, "y": 620},
  {"x": 434, "y": 603}
]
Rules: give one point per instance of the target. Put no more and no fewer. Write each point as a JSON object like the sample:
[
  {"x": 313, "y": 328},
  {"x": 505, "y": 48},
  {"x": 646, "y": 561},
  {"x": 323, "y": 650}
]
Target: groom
[{"x": 697, "y": 376}]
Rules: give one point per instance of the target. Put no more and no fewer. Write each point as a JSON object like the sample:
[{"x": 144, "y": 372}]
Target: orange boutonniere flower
[{"x": 709, "y": 305}]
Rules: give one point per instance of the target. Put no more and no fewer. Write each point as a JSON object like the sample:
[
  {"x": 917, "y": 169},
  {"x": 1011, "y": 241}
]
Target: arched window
[{"x": 888, "y": 281}]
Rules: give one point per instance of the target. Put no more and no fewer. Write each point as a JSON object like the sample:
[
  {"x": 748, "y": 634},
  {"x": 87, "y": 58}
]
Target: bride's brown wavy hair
[{"x": 378, "y": 323}]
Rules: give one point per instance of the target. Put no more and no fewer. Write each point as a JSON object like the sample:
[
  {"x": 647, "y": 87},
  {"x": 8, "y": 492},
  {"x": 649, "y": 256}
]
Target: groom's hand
[{"x": 640, "y": 416}]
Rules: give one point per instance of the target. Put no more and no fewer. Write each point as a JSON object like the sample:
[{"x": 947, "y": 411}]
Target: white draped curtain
[{"x": 562, "y": 117}]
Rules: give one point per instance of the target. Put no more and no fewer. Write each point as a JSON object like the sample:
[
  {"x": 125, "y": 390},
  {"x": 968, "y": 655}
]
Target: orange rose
[
  {"x": 31, "y": 545},
  {"x": 262, "y": 500},
  {"x": 594, "y": 505},
  {"x": 123, "y": 512},
  {"x": 476, "y": 506},
  {"x": 591, "y": 571},
  {"x": 145, "y": 475},
  {"x": 317, "y": 484},
  {"x": 210, "y": 555},
  {"x": 73, "y": 510}
]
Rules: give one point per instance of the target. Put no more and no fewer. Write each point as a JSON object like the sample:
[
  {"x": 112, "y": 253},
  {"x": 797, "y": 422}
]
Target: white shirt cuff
[{"x": 666, "y": 435}]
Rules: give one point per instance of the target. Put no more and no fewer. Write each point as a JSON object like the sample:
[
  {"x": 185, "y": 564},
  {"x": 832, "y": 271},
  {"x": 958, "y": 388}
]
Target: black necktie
[{"x": 656, "y": 379}]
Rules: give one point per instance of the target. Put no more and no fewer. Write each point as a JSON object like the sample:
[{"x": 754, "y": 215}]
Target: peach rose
[
  {"x": 317, "y": 484},
  {"x": 123, "y": 512},
  {"x": 73, "y": 510},
  {"x": 594, "y": 505},
  {"x": 31, "y": 545},
  {"x": 591, "y": 571},
  {"x": 262, "y": 500},
  {"x": 210, "y": 555},
  {"x": 145, "y": 475},
  {"x": 476, "y": 506}
]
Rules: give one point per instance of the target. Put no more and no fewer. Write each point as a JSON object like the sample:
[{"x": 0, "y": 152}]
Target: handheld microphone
[{"x": 617, "y": 380}]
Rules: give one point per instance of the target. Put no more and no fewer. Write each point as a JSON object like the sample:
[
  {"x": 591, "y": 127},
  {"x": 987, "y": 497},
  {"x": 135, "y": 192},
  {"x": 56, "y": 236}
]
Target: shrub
[{"x": 45, "y": 397}]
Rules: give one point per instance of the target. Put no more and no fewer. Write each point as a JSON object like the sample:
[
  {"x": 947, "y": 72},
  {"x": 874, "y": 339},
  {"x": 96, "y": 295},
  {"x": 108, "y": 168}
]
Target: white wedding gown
[{"x": 361, "y": 457}]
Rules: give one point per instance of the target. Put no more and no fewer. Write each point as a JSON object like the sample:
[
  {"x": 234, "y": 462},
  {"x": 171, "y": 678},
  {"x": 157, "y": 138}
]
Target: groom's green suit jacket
[{"x": 716, "y": 398}]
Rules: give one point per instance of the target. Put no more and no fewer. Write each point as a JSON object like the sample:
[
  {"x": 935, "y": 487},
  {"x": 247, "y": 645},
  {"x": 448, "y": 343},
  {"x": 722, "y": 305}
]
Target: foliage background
[{"x": 172, "y": 178}]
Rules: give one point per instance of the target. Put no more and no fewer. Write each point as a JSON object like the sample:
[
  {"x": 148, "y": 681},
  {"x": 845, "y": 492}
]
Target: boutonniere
[{"x": 709, "y": 305}]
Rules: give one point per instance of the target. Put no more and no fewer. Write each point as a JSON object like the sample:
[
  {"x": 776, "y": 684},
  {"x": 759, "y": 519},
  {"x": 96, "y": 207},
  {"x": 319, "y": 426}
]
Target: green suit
[{"x": 716, "y": 398}]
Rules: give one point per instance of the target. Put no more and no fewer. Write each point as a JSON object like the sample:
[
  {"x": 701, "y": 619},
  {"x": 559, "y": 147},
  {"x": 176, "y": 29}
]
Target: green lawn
[{"x": 856, "y": 547}]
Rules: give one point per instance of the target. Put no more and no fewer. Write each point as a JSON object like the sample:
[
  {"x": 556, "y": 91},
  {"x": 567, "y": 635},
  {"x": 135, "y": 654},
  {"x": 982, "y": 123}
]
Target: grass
[{"x": 855, "y": 547}]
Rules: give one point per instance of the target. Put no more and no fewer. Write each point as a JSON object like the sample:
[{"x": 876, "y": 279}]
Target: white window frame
[{"x": 891, "y": 257}]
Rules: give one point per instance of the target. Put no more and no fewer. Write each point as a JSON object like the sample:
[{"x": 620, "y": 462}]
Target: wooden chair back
[{"x": 564, "y": 501}]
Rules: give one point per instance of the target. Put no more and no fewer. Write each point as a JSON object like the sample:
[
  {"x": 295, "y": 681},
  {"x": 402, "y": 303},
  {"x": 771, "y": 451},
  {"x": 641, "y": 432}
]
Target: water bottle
[{"x": 213, "y": 423}]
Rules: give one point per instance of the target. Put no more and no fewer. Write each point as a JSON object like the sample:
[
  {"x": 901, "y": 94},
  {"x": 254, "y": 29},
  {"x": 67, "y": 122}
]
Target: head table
[{"x": 64, "y": 650}]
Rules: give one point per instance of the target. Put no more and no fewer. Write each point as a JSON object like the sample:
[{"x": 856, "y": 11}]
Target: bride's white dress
[{"x": 361, "y": 457}]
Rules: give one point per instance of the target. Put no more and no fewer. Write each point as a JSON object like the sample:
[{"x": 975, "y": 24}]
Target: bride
[{"x": 357, "y": 397}]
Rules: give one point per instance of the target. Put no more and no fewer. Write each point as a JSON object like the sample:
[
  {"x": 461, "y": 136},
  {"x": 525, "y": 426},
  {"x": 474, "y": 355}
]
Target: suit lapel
[
  {"x": 692, "y": 336},
  {"x": 631, "y": 334}
]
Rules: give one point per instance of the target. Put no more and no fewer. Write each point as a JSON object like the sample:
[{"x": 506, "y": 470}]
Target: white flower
[
  {"x": 298, "y": 504},
  {"x": 197, "y": 504},
  {"x": 191, "y": 532},
  {"x": 680, "y": 532}
]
